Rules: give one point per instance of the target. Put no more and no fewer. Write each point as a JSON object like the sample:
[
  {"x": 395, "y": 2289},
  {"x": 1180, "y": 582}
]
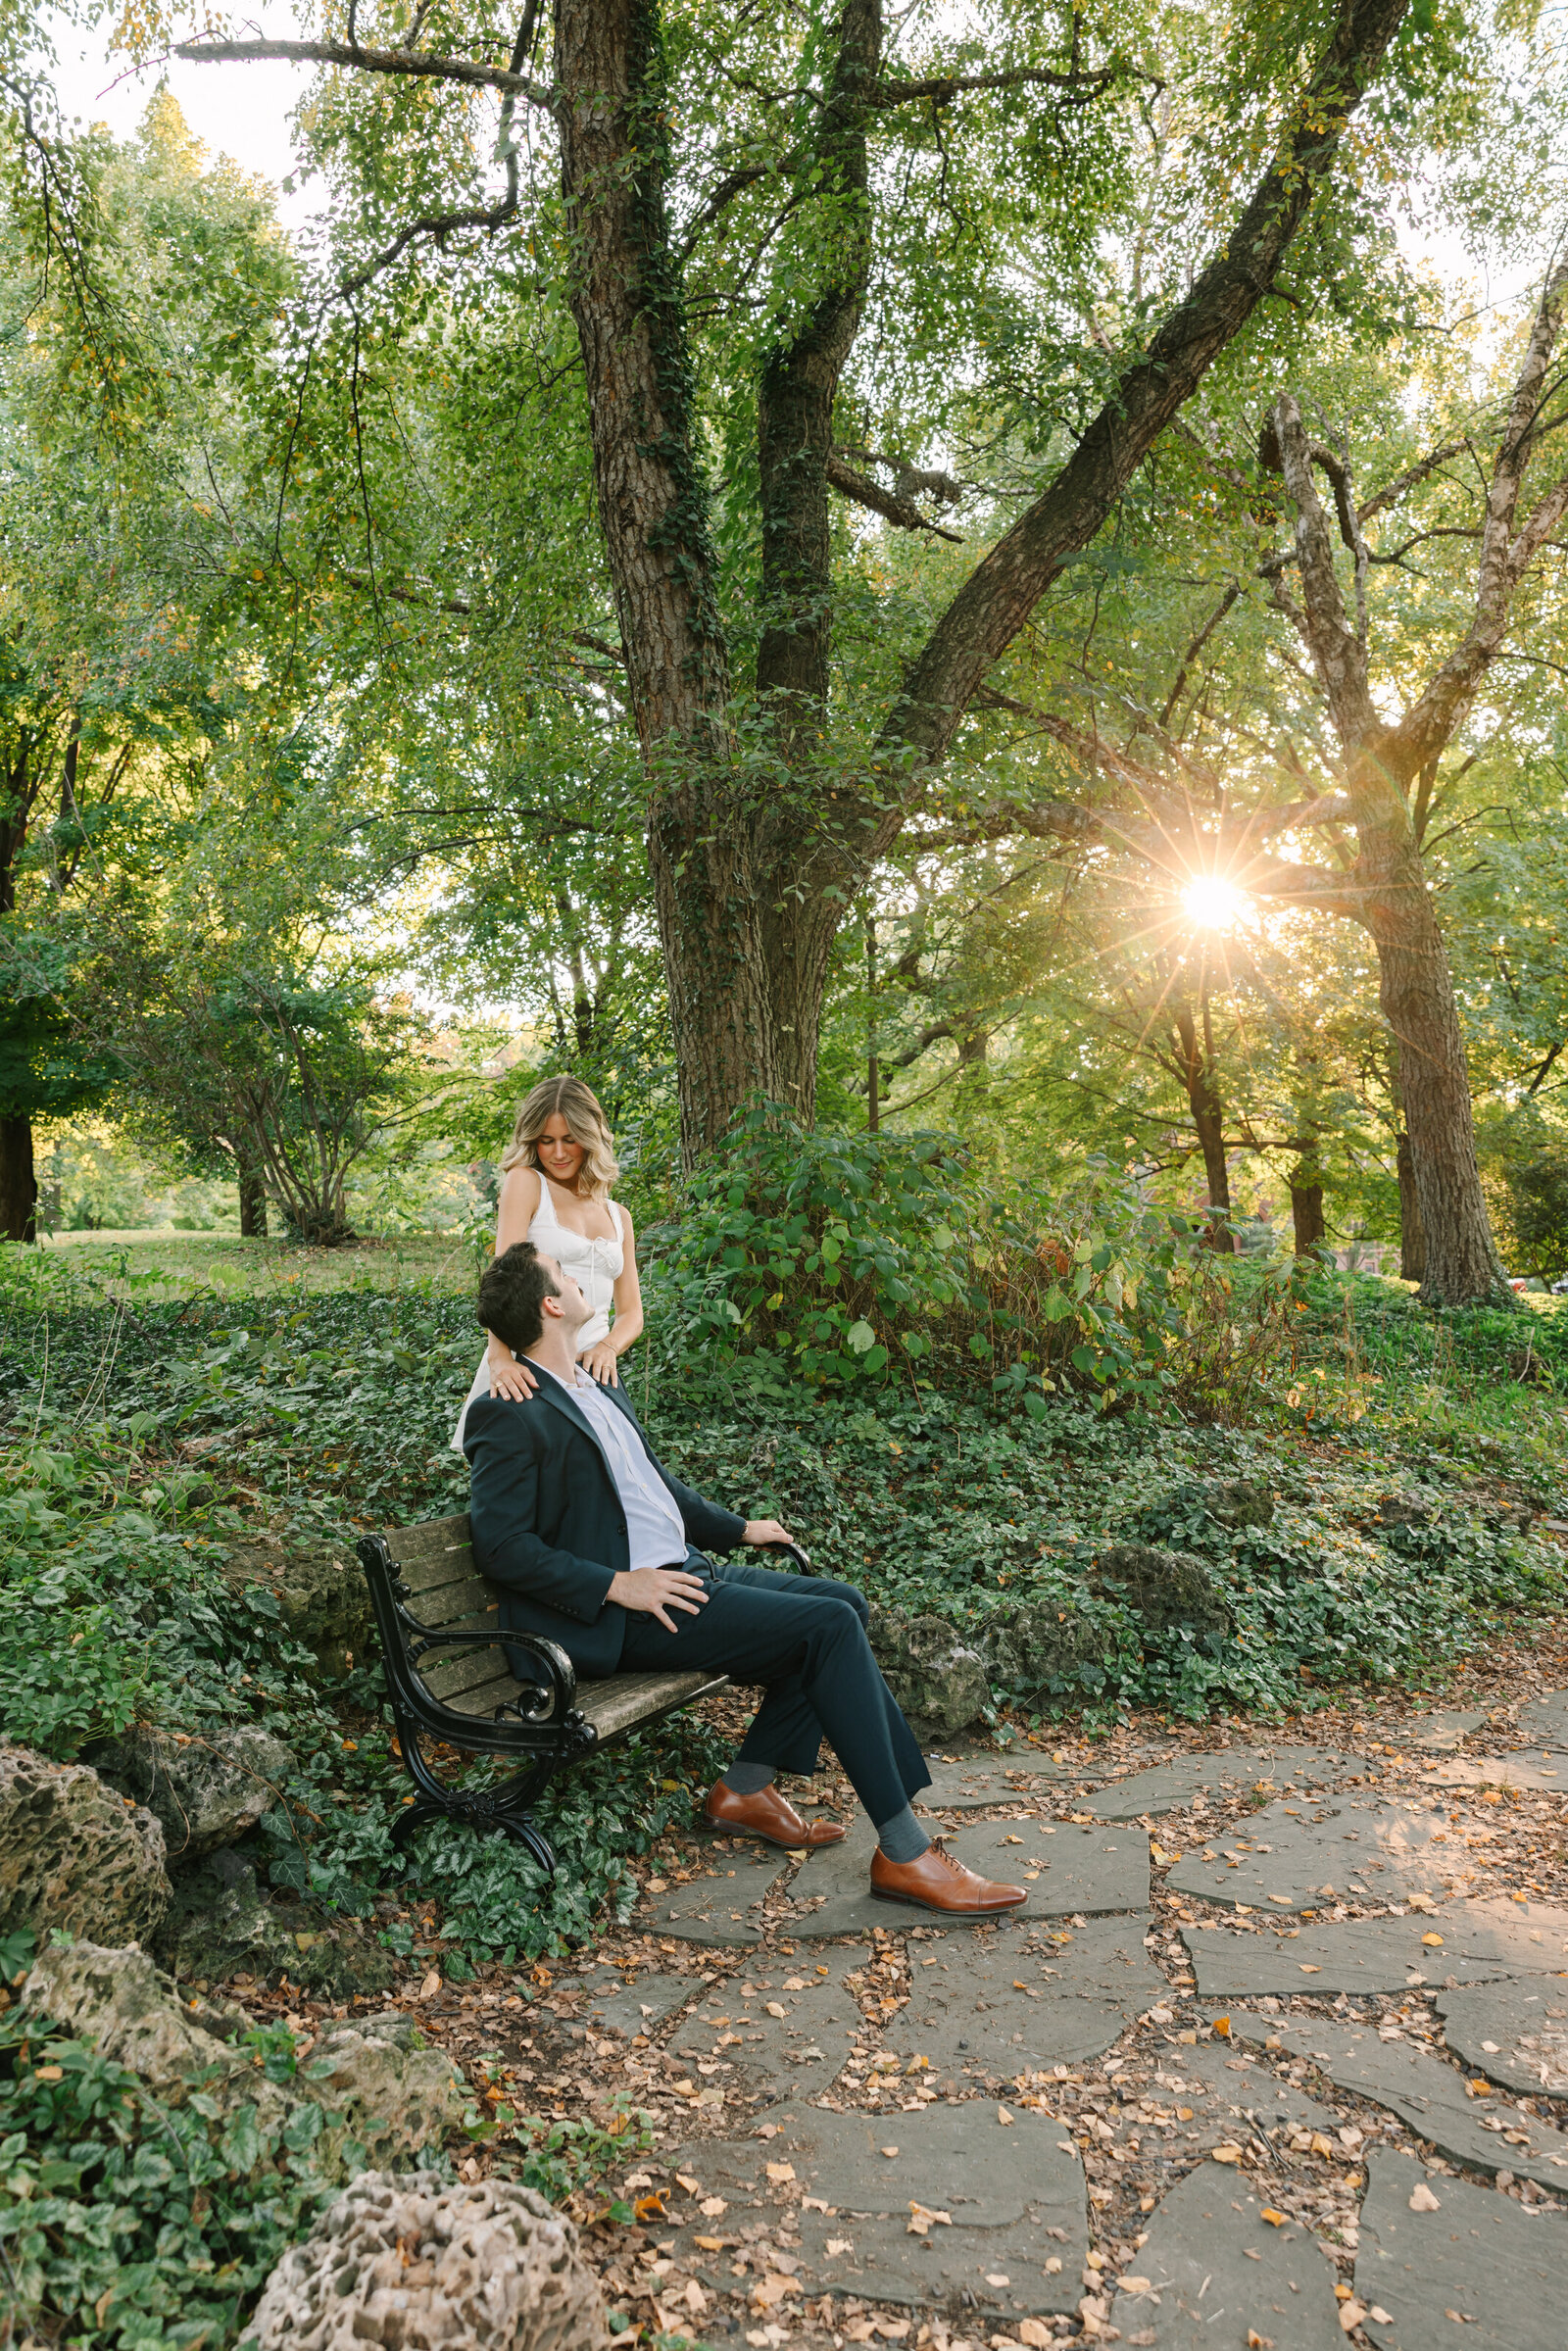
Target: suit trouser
[{"x": 805, "y": 1638}]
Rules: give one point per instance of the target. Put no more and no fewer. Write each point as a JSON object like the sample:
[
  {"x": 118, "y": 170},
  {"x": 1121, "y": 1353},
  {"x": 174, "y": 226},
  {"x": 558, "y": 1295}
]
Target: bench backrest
[{"x": 448, "y": 1593}]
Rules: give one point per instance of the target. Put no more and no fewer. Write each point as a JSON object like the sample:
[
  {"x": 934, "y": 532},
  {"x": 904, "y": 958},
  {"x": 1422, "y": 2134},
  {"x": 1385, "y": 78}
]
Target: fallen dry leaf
[
  {"x": 781, "y": 2170},
  {"x": 1275, "y": 2220},
  {"x": 1422, "y": 2199},
  {"x": 1351, "y": 2314},
  {"x": 1004, "y": 2116},
  {"x": 1228, "y": 2153},
  {"x": 711, "y": 2206}
]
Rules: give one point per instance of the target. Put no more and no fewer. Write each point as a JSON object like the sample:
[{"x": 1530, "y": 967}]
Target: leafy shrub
[
  {"x": 127, "y": 2221},
  {"x": 845, "y": 1258}
]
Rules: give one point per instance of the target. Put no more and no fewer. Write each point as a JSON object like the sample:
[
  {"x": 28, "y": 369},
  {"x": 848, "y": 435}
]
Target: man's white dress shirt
[{"x": 655, "y": 1534}]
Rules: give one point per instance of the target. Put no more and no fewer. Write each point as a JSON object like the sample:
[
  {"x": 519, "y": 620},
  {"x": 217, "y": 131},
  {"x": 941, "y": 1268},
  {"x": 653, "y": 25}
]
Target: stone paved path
[{"x": 1276, "y": 2054}]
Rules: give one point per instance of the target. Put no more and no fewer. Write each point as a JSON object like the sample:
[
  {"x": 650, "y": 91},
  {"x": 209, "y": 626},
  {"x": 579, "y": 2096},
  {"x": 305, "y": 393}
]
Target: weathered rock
[
  {"x": 1403, "y": 1510},
  {"x": 1164, "y": 1586},
  {"x": 219, "y": 1925},
  {"x": 75, "y": 1855},
  {"x": 1238, "y": 1503},
  {"x": 936, "y": 1677},
  {"x": 381, "y": 2101},
  {"x": 1042, "y": 1647},
  {"x": 322, "y": 1597},
  {"x": 414, "y": 2263},
  {"x": 207, "y": 1790}
]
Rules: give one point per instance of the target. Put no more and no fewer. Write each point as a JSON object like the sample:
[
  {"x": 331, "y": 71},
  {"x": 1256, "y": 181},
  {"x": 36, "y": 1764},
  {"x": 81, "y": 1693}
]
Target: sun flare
[{"x": 1212, "y": 903}]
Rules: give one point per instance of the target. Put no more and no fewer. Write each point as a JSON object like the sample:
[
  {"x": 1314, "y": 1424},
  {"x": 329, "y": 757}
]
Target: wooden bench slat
[
  {"x": 483, "y": 1701},
  {"x": 463, "y": 1671},
  {"x": 454, "y": 1603},
  {"x": 434, "y": 1540},
  {"x": 625, "y": 1699},
  {"x": 429, "y": 1577}
]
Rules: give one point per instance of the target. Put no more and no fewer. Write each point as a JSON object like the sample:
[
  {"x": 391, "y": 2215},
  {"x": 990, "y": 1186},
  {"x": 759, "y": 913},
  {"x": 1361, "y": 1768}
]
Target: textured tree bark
[
  {"x": 752, "y": 883},
  {"x": 626, "y": 302},
  {"x": 19, "y": 1183},
  {"x": 1201, "y": 1081},
  {"x": 1306, "y": 1209},
  {"x": 1415, "y": 989},
  {"x": 1412, "y": 1232},
  {"x": 252, "y": 1204}
]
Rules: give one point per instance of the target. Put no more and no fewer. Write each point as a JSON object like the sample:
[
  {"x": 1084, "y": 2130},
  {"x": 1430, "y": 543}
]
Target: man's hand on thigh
[{"x": 654, "y": 1590}]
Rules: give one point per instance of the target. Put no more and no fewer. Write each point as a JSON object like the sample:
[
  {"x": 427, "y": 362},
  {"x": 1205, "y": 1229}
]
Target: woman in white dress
[{"x": 556, "y": 1175}]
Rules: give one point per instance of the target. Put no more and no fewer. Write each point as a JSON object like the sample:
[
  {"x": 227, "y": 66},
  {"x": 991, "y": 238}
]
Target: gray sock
[
  {"x": 902, "y": 1838},
  {"x": 746, "y": 1778}
]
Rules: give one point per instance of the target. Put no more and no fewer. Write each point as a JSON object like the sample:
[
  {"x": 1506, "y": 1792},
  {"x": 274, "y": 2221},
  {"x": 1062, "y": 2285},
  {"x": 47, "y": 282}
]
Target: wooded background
[{"x": 992, "y": 569}]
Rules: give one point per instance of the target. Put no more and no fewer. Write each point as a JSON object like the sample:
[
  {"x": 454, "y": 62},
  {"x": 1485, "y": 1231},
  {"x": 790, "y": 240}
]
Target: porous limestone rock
[
  {"x": 938, "y": 1679},
  {"x": 219, "y": 1925},
  {"x": 208, "y": 1789},
  {"x": 1164, "y": 1586},
  {"x": 417, "y": 2264},
  {"x": 323, "y": 1596},
  {"x": 382, "y": 2099},
  {"x": 1041, "y": 1646},
  {"x": 1238, "y": 1503},
  {"x": 75, "y": 1854}
]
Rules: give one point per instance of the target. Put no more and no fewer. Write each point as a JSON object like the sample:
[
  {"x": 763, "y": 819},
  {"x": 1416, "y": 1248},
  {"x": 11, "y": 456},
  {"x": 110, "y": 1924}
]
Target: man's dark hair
[{"x": 512, "y": 1291}]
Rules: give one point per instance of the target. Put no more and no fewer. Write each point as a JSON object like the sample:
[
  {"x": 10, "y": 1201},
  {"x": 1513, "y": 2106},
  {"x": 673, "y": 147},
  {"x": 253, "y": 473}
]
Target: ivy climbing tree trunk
[{"x": 755, "y": 866}]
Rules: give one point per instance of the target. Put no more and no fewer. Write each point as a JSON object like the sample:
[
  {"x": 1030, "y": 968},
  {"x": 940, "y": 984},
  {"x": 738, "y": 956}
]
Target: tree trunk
[
  {"x": 252, "y": 1203},
  {"x": 1201, "y": 1082},
  {"x": 1306, "y": 1209},
  {"x": 1412, "y": 1232},
  {"x": 1460, "y": 1262},
  {"x": 18, "y": 1184},
  {"x": 626, "y": 299},
  {"x": 753, "y": 865}
]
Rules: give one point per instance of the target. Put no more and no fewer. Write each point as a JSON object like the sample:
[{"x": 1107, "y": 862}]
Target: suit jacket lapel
[{"x": 566, "y": 1405}]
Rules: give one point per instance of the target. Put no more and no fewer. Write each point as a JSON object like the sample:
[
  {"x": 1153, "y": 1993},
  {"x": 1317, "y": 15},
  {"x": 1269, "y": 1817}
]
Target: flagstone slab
[
  {"x": 1013, "y": 2195},
  {"x": 1298, "y": 1856},
  {"x": 1480, "y": 2271},
  {"x": 1545, "y": 1721},
  {"x": 1442, "y": 1729},
  {"x": 1226, "y": 1773},
  {"x": 1478, "y": 1941},
  {"x": 971, "y": 1784},
  {"x": 989, "y": 2006},
  {"x": 716, "y": 1903},
  {"x": 1514, "y": 2033},
  {"x": 1215, "y": 2273},
  {"x": 1500, "y": 1771},
  {"x": 1486, "y": 2132},
  {"x": 1064, "y": 1869},
  {"x": 1225, "y": 2086},
  {"x": 640, "y": 2004},
  {"x": 786, "y": 2029}
]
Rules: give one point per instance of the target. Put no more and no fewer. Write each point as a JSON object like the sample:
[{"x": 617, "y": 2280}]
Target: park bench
[{"x": 449, "y": 1681}]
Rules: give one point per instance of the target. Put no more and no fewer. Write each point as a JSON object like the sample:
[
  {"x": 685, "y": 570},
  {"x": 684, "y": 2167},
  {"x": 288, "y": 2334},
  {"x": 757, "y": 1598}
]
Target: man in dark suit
[{"x": 597, "y": 1548}]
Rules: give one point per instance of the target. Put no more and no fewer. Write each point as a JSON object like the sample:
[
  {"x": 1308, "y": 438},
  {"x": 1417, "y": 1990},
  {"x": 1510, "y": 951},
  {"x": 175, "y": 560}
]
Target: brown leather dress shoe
[
  {"x": 767, "y": 1815},
  {"x": 936, "y": 1881}
]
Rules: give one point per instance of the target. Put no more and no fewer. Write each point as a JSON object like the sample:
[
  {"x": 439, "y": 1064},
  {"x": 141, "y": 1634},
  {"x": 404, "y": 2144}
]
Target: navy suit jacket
[{"x": 548, "y": 1525}]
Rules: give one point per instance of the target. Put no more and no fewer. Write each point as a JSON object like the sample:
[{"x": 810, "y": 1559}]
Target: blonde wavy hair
[{"x": 586, "y": 1125}]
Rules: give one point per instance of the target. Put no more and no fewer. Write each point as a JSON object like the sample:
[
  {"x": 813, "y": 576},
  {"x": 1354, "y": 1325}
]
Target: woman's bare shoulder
[{"x": 518, "y": 1203}]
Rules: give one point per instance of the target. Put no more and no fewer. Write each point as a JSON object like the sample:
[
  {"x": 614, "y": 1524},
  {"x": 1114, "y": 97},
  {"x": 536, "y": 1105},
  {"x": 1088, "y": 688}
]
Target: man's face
[{"x": 573, "y": 1307}]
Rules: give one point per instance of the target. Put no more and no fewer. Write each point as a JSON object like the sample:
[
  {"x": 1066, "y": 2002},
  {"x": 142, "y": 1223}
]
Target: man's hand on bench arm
[
  {"x": 765, "y": 1530},
  {"x": 654, "y": 1590}
]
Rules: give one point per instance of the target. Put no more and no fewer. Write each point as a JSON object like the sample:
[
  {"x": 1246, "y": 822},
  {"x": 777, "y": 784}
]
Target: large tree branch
[
  {"x": 1004, "y": 590},
  {"x": 420, "y": 64},
  {"x": 1078, "y": 86},
  {"x": 859, "y": 487},
  {"x": 1339, "y": 650},
  {"x": 1505, "y": 552}
]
